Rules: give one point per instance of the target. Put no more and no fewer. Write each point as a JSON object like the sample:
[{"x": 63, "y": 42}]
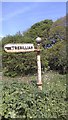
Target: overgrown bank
[{"x": 22, "y": 99}]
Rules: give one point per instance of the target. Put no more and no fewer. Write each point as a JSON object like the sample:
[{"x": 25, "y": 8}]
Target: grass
[{"x": 54, "y": 91}]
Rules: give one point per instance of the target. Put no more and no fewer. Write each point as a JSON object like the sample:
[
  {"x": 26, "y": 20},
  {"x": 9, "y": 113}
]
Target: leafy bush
[
  {"x": 24, "y": 100},
  {"x": 53, "y": 54},
  {"x": 57, "y": 57}
]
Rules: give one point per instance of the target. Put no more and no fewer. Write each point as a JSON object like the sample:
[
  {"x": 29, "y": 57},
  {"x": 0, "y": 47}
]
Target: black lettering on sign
[
  {"x": 29, "y": 47},
  {"x": 20, "y": 47},
  {"x": 12, "y": 47},
  {"x": 8, "y": 48},
  {"x": 16, "y": 47}
]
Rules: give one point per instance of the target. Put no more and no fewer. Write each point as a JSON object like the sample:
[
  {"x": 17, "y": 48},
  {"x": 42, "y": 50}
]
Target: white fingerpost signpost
[{"x": 27, "y": 47}]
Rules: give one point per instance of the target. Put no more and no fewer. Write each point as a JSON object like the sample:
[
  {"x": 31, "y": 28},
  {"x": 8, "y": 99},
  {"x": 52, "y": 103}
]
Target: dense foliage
[
  {"x": 22, "y": 99},
  {"x": 53, "y": 54}
]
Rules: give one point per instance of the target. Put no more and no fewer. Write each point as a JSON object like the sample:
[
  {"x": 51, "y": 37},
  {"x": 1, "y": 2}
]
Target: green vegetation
[
  {"x": 20, "y": 96},
  {"x": 22, "y": 99},
  {"x": 53, "y": 54}
]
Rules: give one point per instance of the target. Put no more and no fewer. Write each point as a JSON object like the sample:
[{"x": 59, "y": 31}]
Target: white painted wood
[
  {"x": 27, "y": 47},
  {"x": 39, "y": 82}
]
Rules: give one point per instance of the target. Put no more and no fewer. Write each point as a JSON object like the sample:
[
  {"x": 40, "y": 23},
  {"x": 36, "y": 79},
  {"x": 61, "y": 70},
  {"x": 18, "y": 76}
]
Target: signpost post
[
  {"x": 39, "y": 81},
  {"x": 28, "y": 47}
]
